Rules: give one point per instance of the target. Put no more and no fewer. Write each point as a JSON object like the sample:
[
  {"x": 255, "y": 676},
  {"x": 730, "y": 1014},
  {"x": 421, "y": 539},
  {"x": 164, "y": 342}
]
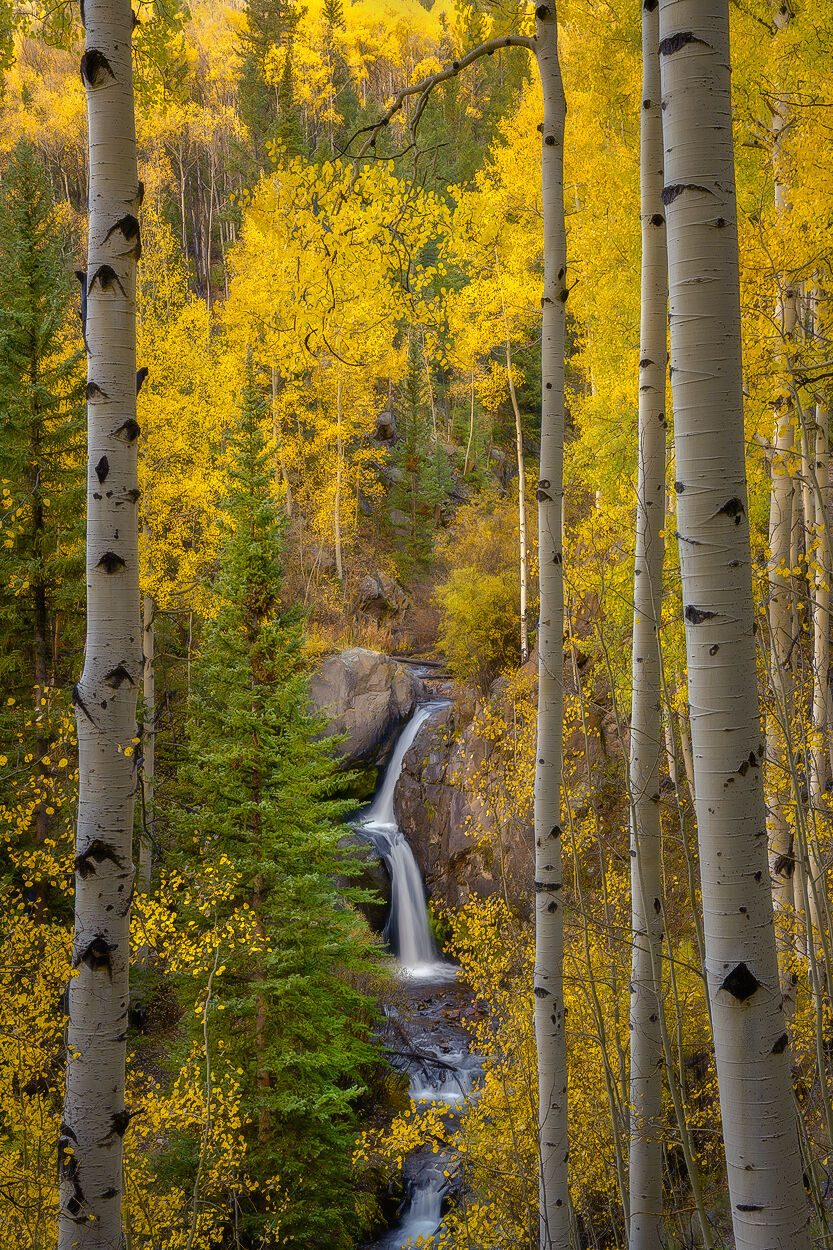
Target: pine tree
[
  {"x": 42, "y": 482},
  {"x": 270, "y": 24},
  {"x": 258, "y": 796}
]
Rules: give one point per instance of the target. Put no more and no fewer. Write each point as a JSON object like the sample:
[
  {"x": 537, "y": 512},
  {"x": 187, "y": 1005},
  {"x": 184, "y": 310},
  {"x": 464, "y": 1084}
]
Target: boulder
[
  {"x": 399, "y": 519},
  {"x": 385, "y": 431},
  {"x": 381, "y": 596},
  {"x": 366, "y": 696}
]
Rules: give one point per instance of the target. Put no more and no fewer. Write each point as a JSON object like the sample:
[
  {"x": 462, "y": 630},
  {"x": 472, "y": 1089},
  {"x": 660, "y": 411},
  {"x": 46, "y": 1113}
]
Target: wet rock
[
  {"x": 373, "y": 878},
  {"x": 366, "y": 696}
]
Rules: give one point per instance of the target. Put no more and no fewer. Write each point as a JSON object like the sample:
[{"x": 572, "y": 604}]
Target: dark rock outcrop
[
  {"x": 367, "y": 696},
  {"x": 460, "y": 848},
  {"x": 373, "y": 878},
  {"x": 381, "y": 596}
]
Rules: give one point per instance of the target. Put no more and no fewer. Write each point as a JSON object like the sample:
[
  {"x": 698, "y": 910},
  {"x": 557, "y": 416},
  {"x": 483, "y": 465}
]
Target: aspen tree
[
  {"x": 519, "y": 449},
  {"x": 761, "y": 1141},
  {"x": 646, "y": 740},
  {"x": 95, "y": 1118},
  {"x": 147, "y": 837},
  {"x": 783, "y": 533}
]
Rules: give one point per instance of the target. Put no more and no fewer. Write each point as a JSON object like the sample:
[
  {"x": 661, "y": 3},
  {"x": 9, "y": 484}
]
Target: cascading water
[
  {"x": 439, "y": 1071},
  {"x": 407, "y": 930}
]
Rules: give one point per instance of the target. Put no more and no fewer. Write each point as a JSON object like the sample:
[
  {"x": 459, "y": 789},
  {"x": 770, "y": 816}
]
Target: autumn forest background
[{"x": 340, "y": 414}]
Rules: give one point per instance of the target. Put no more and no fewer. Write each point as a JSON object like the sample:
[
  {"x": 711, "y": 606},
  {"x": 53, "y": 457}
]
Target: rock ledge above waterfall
[{"x": 367, "y": 696}]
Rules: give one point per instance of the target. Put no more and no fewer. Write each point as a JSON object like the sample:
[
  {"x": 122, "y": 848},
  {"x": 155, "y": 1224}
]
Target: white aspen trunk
[
  {"x": 95, "y": 1119},
  {"x": 337, "y": 502},
  {"x": 685, "y": 747},
  {"x": 646, "y": 743},
  {"x": 466, "y": 462},
  {"x": 784, "y": 534},
  {"x": 670, "y": 751},
  {"x": 147, "y": 837},
  {"x": 782, "y": 496},
  {"x": 549, "y": 921},
  {"x": 820, "y": 590},
  {"x": 519, "y": 446},
  {"x": 522, "y": 545},
  {"x": 759, "y": 1127}
]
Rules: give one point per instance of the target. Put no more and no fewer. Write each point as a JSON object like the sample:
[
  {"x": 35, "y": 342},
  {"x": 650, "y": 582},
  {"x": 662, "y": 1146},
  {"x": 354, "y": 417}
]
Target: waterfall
[{"x": 407, "y": 930}]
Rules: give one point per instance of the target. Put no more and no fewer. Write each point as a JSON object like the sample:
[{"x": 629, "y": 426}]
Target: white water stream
[
  {"x": 437, "y": 1073},
  {"x": 407, "y": 930}
]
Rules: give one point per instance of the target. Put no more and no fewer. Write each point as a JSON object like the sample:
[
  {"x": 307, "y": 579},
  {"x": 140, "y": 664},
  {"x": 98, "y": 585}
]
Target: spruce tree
[
  {"x": 266, "y": 109},
  {"x": 42, "y": 483},
  {"x": 285, "y": 1012}
]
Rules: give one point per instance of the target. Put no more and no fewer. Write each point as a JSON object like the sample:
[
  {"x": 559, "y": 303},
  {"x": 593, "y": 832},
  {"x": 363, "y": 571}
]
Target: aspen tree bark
[
  {"x": 519, "y": 447},
  {"x": 781, "y": 500},
  {"x": 522, "y": 544},
  {"x": 783, "y": 535},
  {"x": 646, "y": 739},
  {"x": 759, "y": 1127},
  {"x": 820, "y": 454},
  {"x": 95, "y": 1118},
  {"x": 549, "y": 921},
  {"x": 147, "y": 837},
  {"x": 337, "y": 502}
]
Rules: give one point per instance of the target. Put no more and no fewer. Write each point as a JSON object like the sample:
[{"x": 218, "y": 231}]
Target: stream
[{"x": 423, "y": 1035}]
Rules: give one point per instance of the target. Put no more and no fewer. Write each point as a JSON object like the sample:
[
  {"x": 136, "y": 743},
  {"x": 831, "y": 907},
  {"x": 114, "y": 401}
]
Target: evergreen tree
[
  {"x": 259, "y": 798},
  {"x": 42, "y": 483},
  {"x": 265, "y": 107},
  {"x": 423, "y": 464}
]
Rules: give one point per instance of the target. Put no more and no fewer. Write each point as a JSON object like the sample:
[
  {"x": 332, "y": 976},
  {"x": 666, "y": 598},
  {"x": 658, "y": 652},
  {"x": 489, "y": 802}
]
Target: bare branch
[{"x": 423, "y": 90}]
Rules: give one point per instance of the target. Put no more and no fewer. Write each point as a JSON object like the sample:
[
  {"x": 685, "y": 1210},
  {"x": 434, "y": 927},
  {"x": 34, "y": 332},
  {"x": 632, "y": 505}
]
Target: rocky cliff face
[{"x": 461, "y": 847}]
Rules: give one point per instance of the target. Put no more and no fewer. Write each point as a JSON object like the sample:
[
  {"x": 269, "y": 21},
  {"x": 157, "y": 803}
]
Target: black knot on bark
[
  {"x": 779, "y": 1045},
  {"x": 673, "y": 43},
  {"x": 110, "y": 562},
  {"x": 714, "y": 650},
  {"x": 740, "y": 983},
  {"x": 107, "y": 279},
  {"x": 95, "y": 67},
  {"x": 102, "y": 469},
  {"x": 96, "y": 955},
  {"x": 117, "y": 676},
  {"x": 540, "y": 992},
  {"x": 671, "y": 193},
  {"x": 119, "y": 1122},
  {"x": 657, "y": 220},
  {"x": 698, "y": 615},
  {"x": 97, "y": 852},
  {"x": 732, "y": 508},
  {"x": 541, "y": 12},
  {"x": 549, "y": 140},
  {"x": 129, "y": 430},
  {"x": 93, "y": 392},
  {"x": 129, "y": 227},
  {"x": 650, "y": 5}
]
